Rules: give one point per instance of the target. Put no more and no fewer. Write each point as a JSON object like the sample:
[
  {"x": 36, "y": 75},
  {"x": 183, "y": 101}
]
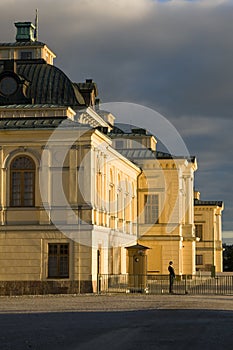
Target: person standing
[{"x": 172, "y": 276}]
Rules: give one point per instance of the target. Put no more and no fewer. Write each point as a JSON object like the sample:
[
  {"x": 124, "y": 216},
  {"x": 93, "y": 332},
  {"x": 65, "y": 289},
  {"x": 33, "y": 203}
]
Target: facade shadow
[{"x": 152, "y": 329}]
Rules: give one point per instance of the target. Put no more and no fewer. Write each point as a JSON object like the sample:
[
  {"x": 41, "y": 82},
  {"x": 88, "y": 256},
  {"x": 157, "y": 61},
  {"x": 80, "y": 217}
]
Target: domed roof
[
  {"x": 48, "y": 84},
  {"x": 38, "y": 80}
]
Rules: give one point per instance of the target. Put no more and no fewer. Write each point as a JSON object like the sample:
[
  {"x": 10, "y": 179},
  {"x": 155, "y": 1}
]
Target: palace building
[{"x": 78, "y": 188}]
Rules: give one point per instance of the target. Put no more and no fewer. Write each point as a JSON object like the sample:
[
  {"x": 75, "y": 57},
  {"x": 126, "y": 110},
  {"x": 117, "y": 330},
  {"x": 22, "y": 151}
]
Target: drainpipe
[
  {"x": 213, "y": 268},
  {"x": 141, "y": 171}
]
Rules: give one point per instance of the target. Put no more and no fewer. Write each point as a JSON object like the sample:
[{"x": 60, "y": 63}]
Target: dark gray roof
[
  {"x": 164, "y": 155},
  {"x": 198, "y": 202},
  {"x": 23, "y": 43},
  {"x": 31, "y": 106},
  {"x": 38, "y": 123},
  {"x": 48, "y": 84},
  {"x": 140, "y": 153},
  {"x": 146, "y": 153},
  {"x": 121, "y": 129}
]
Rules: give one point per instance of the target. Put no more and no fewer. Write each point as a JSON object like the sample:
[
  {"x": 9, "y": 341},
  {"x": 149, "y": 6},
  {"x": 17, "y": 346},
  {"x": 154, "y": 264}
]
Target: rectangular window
[
  {"x": 58, "y": 260},
  {"x": 26, "y": 55},
  {"x": 151, "y": 208},
  {"x": 16, "y": 189},
  {"x": 28, "y": 189},
  {"x": 119, "y": 144},
  {"x": 199, "y": 259},
  {"x": 199, "y": 231},
  {"x": 22, "y": 188},
  {"x": 22, "y": 178}
]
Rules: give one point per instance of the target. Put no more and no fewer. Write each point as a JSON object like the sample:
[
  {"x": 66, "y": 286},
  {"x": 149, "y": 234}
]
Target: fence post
[
  {"x": 98, "y": 283},
  {"x": 185, "y": 284}
]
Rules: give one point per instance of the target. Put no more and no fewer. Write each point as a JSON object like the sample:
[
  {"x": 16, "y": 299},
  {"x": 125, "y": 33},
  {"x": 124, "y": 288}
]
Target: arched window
[{"x": 22, "y": 182}]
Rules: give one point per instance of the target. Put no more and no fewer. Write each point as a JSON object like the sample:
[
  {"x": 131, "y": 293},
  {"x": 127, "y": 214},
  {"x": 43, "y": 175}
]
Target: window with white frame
[{"x": 151, "y": 208}]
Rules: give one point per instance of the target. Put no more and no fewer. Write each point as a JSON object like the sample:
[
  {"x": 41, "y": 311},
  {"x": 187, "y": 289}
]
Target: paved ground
[{"x": 112, "y": 322}]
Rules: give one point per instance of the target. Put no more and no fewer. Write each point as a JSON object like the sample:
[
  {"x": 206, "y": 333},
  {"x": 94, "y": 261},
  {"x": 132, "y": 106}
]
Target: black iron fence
[{"x": 159, "y": 284}]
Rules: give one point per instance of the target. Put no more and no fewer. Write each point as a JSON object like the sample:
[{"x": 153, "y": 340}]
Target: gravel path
[
  {"x": 114, "y": 302},
  {"x": 126, "y": 322}
]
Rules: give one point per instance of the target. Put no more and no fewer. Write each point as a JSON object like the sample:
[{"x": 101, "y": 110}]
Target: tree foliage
[{"x": 227, "y": 257}]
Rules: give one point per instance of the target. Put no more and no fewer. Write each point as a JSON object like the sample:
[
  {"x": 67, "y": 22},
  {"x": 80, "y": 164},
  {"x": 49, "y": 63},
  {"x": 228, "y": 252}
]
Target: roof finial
[{"x": 36, "y": 26}]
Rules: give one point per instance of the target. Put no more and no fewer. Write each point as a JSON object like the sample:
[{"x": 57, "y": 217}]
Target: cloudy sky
[{"x": 173, "y": 56}]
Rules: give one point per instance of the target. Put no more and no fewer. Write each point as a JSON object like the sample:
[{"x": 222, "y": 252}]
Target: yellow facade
[
  {"x": 172, "y": 237},
  {"x": 208, "y": 222},
  {"x": 95, "y": 180},
  {"x": 73, "y": 192}
]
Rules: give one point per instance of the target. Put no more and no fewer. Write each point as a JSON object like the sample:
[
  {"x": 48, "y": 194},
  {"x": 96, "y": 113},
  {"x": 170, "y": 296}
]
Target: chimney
[
  {"x": 97, "y": 104},
  {"x": 25, "y": 31},
  {"x": 89, "y": 81}
]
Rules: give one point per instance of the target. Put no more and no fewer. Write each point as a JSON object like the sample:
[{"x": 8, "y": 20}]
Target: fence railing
[{"x": 159, "y": 284}]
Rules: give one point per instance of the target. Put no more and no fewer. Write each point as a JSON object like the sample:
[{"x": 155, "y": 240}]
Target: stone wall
[{"x": 44, "y": 287}]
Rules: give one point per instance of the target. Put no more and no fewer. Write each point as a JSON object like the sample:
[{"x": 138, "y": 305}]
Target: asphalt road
[{"x": 25, "y": 324}]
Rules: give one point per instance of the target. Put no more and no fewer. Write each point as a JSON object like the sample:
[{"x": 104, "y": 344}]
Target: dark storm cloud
[
  {"x": 210, "y": 139},
  {"x": 173, "y": 56},
  {"x": 176, "y": 58}
]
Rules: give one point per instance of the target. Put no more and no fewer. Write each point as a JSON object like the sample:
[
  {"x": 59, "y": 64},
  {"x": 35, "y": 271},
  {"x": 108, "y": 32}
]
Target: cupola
[{"x": 25, "y": 31}]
